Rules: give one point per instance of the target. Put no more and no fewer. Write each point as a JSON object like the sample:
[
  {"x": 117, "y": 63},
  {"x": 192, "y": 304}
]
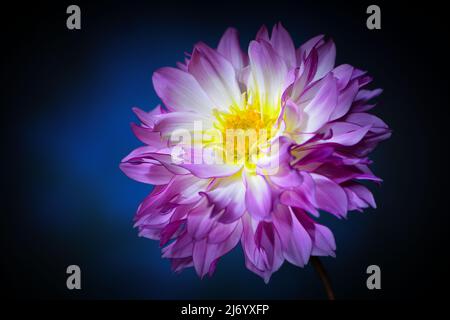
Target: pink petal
[
  {"x": 174, "y": 124},
  {"x": 170, "y": 231},
  {"x": 216, "y": 76},
  {"x": 146, "y": 172},
  {"x": 327, "y": 57},
  {"x": 179, "y": 264},
  {"x": 276, "y": 166},
  {"x": 268, "y": 73},
  {"x": 306, "y": 76},
  {"x": 161, "y": 198},
  {"x": 320, "y": 108},
  {"x": 344, "y": 74},
  {"x": 365, "y": 119},
  {"x": 297, "y": 244},
  {"x": 330, "y": 196},
  {"x": 345, "y": 100},
  {"x": 228, "y": 194},
  {"x": 359, "y": 196},
  {"x": 315, "y": 155},
  {"x": 148, "y": 136},
  {"x": 182, "y": 247},
  {"x": 222, "y": 231},
  {"x": 366, "y": 95},
  {"x": 322, "y": 238},
  {"x": 229, "y": 47},
  {"x": 206, "y": 254},
  {"x": 346, "y": 134},
  {"x": 262, "y": 247},
  {"x": 343, "y": 173},
  {"x": 180, "y": 91},
  {"x": 305, "y": 49},
  {"x": 307, "y": 192},
  {"x": 262, "y": 34},
  {"x": 258, "y": 196},
  {"x": 211, "y": 170},
  {"x": 282, "y": 43},
  {"x": 324, "y": 243},
  {"x": 148, "y": 118},
  {"x": 200, "y": 221}
]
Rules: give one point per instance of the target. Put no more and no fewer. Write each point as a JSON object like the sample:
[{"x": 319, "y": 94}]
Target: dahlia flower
[{"x": 249, "y": 148}]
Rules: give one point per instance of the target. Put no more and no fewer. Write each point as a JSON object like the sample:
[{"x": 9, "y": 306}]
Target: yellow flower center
[{"x": 244, "y": 130}]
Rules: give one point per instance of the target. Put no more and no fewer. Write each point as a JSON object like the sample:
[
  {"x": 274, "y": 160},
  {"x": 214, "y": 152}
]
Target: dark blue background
[{"x": 67, "y": 105}]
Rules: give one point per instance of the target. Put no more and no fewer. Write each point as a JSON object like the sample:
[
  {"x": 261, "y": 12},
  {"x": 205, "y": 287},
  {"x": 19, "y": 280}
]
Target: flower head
[{"x": 249, "y": 147}]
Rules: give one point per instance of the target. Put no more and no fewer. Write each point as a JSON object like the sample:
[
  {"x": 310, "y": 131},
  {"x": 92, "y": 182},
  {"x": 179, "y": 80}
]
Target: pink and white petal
[
  {"x": 364, "y": 194},
  {"x": 360, "y": 196},
  {"x": 180, "y": 91},
  {"x": 262, "y": 247},
  {"x": 178, "y": 264},
  {"x": 177, "y": 124},
  {"x": 166, "y": 158},
  {"x": 346, "y": 134},
  {"x": 327, "y": 56},
  {"x": 276, "y": 165},
  {"x": 322, "y": 238},
  {"x": 222, "y": 231},
  {"x": 180, "y": 212},
  {"x": 200, "y": 220},
  {"x": 293, "y": 116},
  {"x": 282, "y": 43},
  {"x": 269, "y": 72},
  {"x": 298, "y": 199},
  {"x": 268, "y": 240},
  {"x": 204, "y": 171},
  {"x": 244, "y": 76},
  {"x": 317, "y": 154},
  {"x": 139, "y": 153},
  {"x": 148, "y": 118},
  {"x": 343, "y": 173},
  {"x": 170, "y": 231},
  {"x": 231, "y": 241},
  {"x": 306, "y": 76},
  {"x": 269, "y": 249},
  {"x": 216, "y": 76},
  {"x": 192, "y": 192},
  {"x": 182, "y": 247},
  {"x": 157, "y": 220},
  {"x": 262, "y": 34},
  {"x": 228, "y": 196},
  {"x": 286, "y": 177},
  {"x": 258, "y": 196},
  {"x": 320, "y": 108},
  {"x": 366, "y": 95},
  {"x": 330, "y": 196},
  {"x": 297, "y": 243},
  {"x": 150, "y": 233},
  {"x": 361, "y": 106},
  {"x": 229, "y": 47},
  {"x": 354, "y": 202},
  {"x": 147, "y": 172},
  {"x": 366, "y": 119},
  {"x": 161, "y": 198},
  {"x": 345, "y": 100},
  {"x": 205, "y": 255},
  {"x": 324, "y": 242},
  {"x": 148, "y": 136},
  {"x": 304, "y": 50},
  {"x": 153, "y": 155},
  {"x": 344, "y": 74}
]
